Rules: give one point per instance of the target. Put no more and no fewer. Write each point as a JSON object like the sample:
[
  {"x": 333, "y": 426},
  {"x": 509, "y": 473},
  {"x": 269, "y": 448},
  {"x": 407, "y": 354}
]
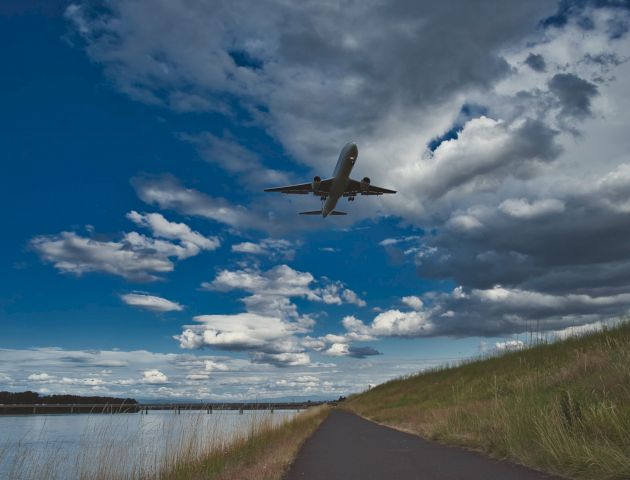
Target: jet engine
[
  {"x": 316, "y": 183},
  {"x": 365, "y": 184}
]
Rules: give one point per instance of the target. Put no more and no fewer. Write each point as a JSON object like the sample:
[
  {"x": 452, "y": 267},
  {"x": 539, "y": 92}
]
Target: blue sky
[{"x": 141, "y": 257}]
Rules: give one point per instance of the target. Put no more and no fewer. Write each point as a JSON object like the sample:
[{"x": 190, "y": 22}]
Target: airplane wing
[
  {"x": 354, "y": 188},
  {"x": 303, "y": 188}
]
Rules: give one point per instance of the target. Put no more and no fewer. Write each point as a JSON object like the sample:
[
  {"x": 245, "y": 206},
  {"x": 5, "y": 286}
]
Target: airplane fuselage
[
  {"x": 341, "y": 176},
  {"x": 330, "y": 190}
]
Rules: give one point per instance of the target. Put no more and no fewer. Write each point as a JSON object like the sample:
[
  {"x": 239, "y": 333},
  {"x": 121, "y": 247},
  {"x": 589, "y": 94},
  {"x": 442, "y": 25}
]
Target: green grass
[{"x": 562, "y": 407}]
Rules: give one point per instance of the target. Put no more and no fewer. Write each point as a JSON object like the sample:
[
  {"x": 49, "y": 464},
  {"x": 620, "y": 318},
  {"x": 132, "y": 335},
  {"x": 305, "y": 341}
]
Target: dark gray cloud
[
  {"x": 573, "y": 93},
  {"x": 536, "y": 62},
  {"x": 399, "y": 55},
  {"x": 362, "y": 352},
  {"x": 579, "y": 243}
]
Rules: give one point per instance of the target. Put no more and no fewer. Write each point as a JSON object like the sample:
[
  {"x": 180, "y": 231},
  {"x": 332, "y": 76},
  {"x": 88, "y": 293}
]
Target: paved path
[{"x": 347, "y": 447}]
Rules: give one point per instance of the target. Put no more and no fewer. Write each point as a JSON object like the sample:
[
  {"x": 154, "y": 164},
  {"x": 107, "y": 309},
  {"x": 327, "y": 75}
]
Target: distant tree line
[{"x": 35, "y": 398}]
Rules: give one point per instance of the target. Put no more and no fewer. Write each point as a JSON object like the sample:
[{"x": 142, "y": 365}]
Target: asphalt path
[{"x": 347, "y": 447}]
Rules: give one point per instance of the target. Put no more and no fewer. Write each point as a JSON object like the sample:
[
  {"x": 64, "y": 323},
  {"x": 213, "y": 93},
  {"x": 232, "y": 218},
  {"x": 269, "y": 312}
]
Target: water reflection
[{"x": 116, "y": 446}]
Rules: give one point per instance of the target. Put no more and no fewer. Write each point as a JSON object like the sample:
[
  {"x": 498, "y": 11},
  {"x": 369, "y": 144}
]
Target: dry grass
[
  {"x": 562, "y": 407},
  {"x": 265, "y": 453}
]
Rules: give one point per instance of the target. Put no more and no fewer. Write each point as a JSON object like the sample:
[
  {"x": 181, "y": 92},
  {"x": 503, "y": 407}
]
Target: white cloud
[
  {"x": 285, "y": 359},
  {"x": 134, "y": 256},
  {"x": 169, "y": 194},
  {"x": 522, "y": 208},
  {"x": 413, "y": 302},
  {"x": 337, "y": 350},
  {"x": 249, "y": 247},
  {"x": 151, "y": 302},
  {"x": 192, "y": 241},
  {"x": 212, "y": 366},
  {"x": 283, "y": 281},
  {"x": 271, "y": 329},
  {"x": 154, "y": 376},
  {"x": 269, "y": 247},
  {"x": 509, "y": 345},
  {"x": 244, "y": 331},
  {"x": 79, "y": 373},
  {"x": 40, "y": 377}
]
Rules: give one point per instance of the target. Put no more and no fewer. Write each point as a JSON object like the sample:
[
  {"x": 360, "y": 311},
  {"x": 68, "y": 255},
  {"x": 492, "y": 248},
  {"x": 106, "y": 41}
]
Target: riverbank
[
  {"x": 264, "y": 453},
  {"x": 164, "y": 444},
  {"x": 562, "y": 407}
]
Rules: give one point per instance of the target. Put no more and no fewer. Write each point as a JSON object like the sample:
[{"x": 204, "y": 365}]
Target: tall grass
[
  {"x": 191, "y": 445},
  {"x": 563, "y": 407},
  {"x": 263, "y": 453}
]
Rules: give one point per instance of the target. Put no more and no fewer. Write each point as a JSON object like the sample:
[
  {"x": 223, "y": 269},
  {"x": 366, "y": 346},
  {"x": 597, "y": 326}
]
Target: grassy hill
[{"x": 562, "y": 407}]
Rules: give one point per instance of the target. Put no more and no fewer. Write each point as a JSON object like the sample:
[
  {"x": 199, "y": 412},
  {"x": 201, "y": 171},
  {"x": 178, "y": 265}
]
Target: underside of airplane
[{"x": 339, "y": 185}]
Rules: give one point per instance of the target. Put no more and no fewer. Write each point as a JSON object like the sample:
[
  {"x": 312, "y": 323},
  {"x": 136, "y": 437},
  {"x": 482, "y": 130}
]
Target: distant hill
[
  {"x": 28, "y": 397},
  {"x": 562, "y": 407}
]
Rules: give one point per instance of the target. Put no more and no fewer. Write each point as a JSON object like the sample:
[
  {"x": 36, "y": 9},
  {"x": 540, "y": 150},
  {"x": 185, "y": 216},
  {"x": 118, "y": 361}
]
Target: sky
[{"x": 140, "y": 256}]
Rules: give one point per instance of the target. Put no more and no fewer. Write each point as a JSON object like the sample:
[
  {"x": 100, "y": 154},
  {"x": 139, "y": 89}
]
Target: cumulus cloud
[
  {"x": 413, "y": 302},
  {"x": 495, "y": 311},
  {"x": 347, "y": 350},
  {"x": 285, "y": 359},
  {"x": 192, "y": 241},
  {"x": 271, "y": 330},
  {"x": 487, "y": 151},
  {"x": 283, "y": 281},
  {"x": 151, "y": 302},
  {"x": 154, "y": 376},
  {"x": 135, "y": 256},
  {"x": 212, "y": 366},
  {"x": 243, "y": 331},
  {"x": 268, "y": 247}
]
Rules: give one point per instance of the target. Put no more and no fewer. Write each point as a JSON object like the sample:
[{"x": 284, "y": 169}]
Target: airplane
[{"x": 339, "y": 185}]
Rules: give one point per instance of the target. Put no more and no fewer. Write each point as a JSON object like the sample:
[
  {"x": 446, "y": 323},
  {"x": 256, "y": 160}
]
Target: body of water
[{"x": 119, "y": 445}]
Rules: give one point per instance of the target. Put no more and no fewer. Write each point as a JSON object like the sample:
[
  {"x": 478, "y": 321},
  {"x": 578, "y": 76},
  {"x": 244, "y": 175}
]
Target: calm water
[{"x": 119, "y": 445}]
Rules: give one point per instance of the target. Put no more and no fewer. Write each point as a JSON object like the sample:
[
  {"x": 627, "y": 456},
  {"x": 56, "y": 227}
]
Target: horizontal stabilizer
[
  {"x": 335, "y": 212},
  {"x": 314, "y": 212}
]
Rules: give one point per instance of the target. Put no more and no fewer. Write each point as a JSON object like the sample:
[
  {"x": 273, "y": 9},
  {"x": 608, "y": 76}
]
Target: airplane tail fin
[{"x": 313, "y": 212}]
